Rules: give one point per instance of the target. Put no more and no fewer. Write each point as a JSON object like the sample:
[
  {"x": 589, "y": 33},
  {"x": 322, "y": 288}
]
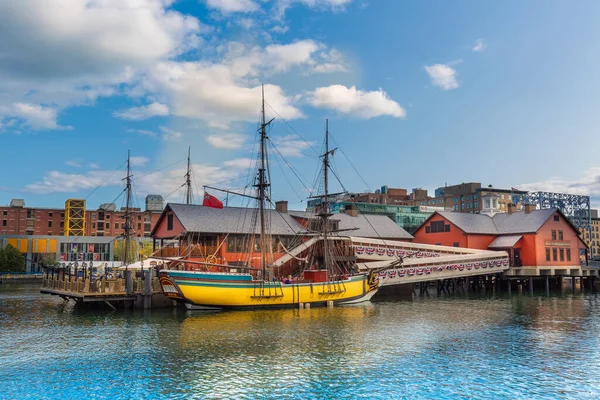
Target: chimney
[
  {"x": 511, "y": 208},
  {"x": 529, "y": 208},
  {"x": 282, "y": 206},
  {"x": 351, "y": 210}
]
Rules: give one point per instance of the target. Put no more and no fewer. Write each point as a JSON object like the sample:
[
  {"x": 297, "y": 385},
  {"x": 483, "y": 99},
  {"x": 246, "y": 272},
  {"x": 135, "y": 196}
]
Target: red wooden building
[
  {"x": 539, "y": 242},
  {"x": 225, "y": 235}
]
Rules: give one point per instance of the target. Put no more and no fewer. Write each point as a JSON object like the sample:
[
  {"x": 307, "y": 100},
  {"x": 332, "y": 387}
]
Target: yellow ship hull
[{"x": 218, "y": 291}]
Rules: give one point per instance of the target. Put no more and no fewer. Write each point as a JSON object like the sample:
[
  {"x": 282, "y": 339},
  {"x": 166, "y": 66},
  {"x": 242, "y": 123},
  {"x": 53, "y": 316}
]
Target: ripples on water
[{"x": 454, "y": 347}]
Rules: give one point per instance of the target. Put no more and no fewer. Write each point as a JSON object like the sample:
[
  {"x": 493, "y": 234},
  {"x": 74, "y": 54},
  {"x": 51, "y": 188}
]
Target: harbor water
[{"x": 454, "y": 347}]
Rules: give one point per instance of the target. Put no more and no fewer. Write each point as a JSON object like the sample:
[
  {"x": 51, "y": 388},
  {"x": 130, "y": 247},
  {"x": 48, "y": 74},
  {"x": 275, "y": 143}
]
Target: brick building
[
  {"x": 467, "y": 197},
  {"x": 16, "y": 219},
  {"x": 539, "y": 242}
]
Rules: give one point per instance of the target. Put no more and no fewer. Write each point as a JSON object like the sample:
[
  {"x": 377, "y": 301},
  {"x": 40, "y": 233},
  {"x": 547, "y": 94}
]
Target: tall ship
[{"x": 314, "y": 269}]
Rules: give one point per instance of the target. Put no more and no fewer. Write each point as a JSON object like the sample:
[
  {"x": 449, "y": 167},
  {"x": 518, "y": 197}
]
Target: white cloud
[
  {"x": 479, "y": 46},
  {"x": 161, "y": 182},
  {"x": 226, "y": 140},
  {"x": 231, "y": 6},
  {"x": 291, "y": 146},
  {"x": 169, "y": 135},
  {"x": 154, "y": 109},
  {"x": 60, "y": 53},
  {"x": 442, "y": 76},
  {"x": 138, "y": 161},
  {"x": 215, "y": 94},
  {"x": 356, "y": 102},
  {"x": 34, "y": 116},
  {"x": 93, "y": 166}
]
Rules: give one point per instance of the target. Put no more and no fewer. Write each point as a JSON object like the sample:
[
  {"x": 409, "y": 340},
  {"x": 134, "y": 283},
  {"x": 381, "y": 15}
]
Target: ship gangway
[{"x": 407, "y": 263}]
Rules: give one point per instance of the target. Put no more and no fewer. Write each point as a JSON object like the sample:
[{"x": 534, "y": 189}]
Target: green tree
[
  {"x": 11, "y": 260},
  {"x": 49, "y": 260}
]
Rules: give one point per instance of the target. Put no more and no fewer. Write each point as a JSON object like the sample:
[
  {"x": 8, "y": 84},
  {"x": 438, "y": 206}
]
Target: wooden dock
[{"x": 115, "y": 293}]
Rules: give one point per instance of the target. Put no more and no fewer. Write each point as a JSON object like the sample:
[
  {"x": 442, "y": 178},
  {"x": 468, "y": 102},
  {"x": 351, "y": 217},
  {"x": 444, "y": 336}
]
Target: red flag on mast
[{"x": 211, "y": 201}]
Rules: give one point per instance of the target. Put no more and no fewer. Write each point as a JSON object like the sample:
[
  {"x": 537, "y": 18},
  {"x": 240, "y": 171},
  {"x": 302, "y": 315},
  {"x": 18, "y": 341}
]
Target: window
[
  {"x": 568, "y": 254},
  {"x": 437, "y": 226},
  {"x": 62, "y": 224},
  {"x": 107, "y": 216},
  {"x": 170, "y": 222},
  {"x": 4, "y": 223},
  {"x": 547, "y": 254},
  {"x": 554, "y": 254},
  {"x": 100, "y": 226},
  {"x": 456, "y": 244},
  {"x": 560, "y": 235},
  {"x": 93, "y": 225},
  {"x": 107, "y": 226},
  {"x": 553, "y": 235},
  {"x": 4, "y": 212},
  {"x": 139, "y": 217},
  {"x": 93, "y": 215},
  {"x": 50, "y": 214},
  {"x": 139, "y": 226},
  {"x": 556, "y": 218},
  {"x": 62, "y": 214},
  {"x": 428, "y": 229},
  {"x": 49, "y": 224},
  {"x": 562, "y": 254}
]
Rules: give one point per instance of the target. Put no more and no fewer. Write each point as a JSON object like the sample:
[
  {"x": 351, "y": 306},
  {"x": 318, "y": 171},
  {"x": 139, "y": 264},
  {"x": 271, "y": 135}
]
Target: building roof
[
  {"x": 500, "y": 223},
  {"x": 471, "y": 223},
  {"x": 503, "y": 242},
  {"x": 369, "y": 226},
  {"x": 197, "y": 218},
  {"x": 522, "y": 222}
]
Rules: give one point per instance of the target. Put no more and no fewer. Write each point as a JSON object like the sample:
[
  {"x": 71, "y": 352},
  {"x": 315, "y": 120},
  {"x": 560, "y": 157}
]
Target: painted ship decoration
[{"x": 316, "y": 279}]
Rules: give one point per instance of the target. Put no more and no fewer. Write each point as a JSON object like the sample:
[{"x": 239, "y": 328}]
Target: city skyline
[{"x": 415, "y": 96}]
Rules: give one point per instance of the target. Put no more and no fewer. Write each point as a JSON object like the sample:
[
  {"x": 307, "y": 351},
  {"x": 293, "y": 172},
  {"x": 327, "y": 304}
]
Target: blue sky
[{"x": 418, "y": 94}]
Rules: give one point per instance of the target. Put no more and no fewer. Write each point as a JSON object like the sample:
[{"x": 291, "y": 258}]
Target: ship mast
[
  {"x": 188, "y": 180},
  {"x": 325, "y": 213},
  {"x": 127, "y": 216},
  {"x": 262, "y": 186}
]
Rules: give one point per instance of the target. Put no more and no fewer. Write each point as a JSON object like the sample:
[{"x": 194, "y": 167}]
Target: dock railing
[{"x": 98, "y": 286}]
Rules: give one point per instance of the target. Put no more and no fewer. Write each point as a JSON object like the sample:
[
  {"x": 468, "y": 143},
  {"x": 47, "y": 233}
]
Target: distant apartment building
[
  {"x": 17, "y": 219},
  {"x": 467, "y": 197}
]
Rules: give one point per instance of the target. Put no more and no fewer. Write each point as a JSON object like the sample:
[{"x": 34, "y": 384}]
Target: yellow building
[{"x": 592, "y": 241}]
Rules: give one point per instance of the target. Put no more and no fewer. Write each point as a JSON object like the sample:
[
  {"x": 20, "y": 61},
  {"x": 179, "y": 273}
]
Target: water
[{"x": 469, "y": 346}]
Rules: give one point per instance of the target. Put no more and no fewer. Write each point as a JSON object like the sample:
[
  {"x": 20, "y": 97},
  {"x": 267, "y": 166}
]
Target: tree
[
  {"x": 49, "y": 260},
  {"x": 11, "y": 260}
]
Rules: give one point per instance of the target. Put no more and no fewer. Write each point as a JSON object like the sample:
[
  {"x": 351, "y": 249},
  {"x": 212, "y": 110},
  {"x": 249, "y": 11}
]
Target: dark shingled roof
[
  {"x": 196, "y": 218},
  {"x": 501, "y": 223},
  {"x": 368, "y": 226}
]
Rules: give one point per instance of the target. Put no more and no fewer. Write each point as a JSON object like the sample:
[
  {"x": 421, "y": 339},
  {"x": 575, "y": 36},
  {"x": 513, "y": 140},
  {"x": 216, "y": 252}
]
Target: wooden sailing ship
[{"x": 317, "y": 280}]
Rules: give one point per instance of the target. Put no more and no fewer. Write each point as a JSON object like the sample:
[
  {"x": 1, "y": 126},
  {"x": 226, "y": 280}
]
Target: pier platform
[{"x": 144, "y": 293}]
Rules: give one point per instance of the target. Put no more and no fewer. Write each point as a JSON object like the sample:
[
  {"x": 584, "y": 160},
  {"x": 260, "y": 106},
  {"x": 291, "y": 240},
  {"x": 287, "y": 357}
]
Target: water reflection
[{"x": 462, "y": 346}]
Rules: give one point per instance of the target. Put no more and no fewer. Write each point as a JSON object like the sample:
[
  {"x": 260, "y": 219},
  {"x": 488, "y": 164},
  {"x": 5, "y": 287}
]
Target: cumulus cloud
[
  {"x": 291, "y": 146},
  {"x": 60, "y": 53},
  {"x": 442, "y": 76},
  {"x": 143, "y": 112},
  {"x": 226, "y": 140},
  {"x": 479, "y": 46},
  {"x": 34, "y": 116},
  {"x": 349, "y": 100},
  {"x": 160, "y": 182}
]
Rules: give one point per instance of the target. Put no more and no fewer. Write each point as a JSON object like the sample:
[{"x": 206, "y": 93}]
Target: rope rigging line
[
  {"x": 293, "y": 130},
  {"x": 104, "y": 181}
]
